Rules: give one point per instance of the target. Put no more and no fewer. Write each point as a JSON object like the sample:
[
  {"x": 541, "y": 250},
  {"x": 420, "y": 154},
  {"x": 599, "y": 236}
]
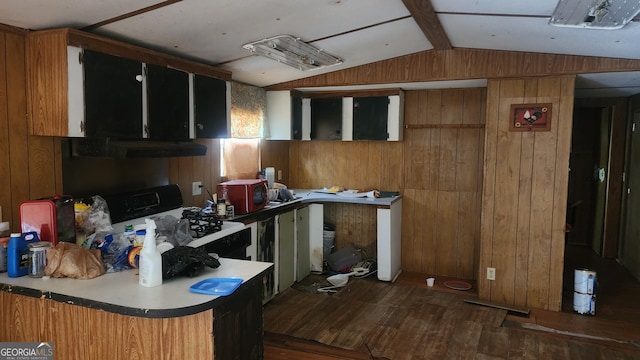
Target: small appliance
[{"x": 246, "y": 195}]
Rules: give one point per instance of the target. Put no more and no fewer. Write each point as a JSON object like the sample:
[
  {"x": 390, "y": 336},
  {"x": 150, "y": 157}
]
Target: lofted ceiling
[{"x": 358, "y": 31}]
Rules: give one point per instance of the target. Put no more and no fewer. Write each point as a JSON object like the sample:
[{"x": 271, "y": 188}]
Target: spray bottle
[{"x": 150, "y": 259}]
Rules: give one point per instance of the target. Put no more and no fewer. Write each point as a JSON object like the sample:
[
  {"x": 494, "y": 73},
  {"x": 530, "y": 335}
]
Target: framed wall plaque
[{"x": 530, "y": 117}]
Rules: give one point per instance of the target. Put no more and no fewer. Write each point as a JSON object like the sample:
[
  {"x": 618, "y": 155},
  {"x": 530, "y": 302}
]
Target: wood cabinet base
[{"x": 83, "y": 333}]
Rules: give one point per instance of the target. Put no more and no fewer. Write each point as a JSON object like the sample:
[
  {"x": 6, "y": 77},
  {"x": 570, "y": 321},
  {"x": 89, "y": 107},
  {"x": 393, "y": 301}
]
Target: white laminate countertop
[
  {"x": 121, "y": 292},
  {"x": 310, "y": 196}
]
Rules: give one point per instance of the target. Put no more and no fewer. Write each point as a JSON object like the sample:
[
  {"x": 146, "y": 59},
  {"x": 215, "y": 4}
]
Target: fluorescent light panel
[
  {"x": 292, "y": 51},
  {"x": 595, "y": 14}
]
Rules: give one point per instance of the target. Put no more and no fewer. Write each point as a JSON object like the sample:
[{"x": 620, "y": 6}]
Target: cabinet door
[
  {"x": 238, "y": 324},
  {"x": 370, "y": 116},
  {"x": 113, "y": 96},
  {"x": 286, "y": 250},
  {"x": 210, "y": 107},
  {"x": 167, "y": 103},
  {"x": 266, "y": 236},
  {"x": 296, "y": 117},
  {"x": 326, "y": 119},
  {"x": 303, "y": 265}
]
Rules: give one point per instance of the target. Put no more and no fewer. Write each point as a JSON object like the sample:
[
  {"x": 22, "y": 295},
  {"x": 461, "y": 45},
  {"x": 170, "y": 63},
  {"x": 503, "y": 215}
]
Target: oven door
[{"x": 232, "y": 246}]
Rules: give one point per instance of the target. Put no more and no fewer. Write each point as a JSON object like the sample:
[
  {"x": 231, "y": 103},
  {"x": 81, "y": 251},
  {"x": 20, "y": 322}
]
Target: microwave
[{"x": 246, "y": 196}]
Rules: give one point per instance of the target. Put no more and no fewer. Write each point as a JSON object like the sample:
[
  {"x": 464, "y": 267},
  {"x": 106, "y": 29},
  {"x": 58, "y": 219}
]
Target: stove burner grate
[{"x": 201, "y": 223}]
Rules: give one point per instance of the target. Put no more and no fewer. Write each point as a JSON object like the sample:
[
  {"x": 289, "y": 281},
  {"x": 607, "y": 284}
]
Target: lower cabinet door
[
  {"x": 286, "y": 250},
  {"x": 266, "y": 248}
]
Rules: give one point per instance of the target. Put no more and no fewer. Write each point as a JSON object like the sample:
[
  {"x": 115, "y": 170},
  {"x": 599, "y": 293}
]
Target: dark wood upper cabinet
[
  {"x": 296, "y": 117},
  {"x": 326, "y": 119},
  {"x": 113, "y": 96},
  {"x": 210, "y": 107},
  {"x": 370, "y": 117},
  {"x": 167, "y": 103}
]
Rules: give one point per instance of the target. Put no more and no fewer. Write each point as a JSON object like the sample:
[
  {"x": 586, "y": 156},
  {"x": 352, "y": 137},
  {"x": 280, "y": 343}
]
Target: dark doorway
[{"x": 588, "y": 177}]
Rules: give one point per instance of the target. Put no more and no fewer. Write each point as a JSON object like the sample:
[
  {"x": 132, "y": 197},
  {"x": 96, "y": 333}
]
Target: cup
[{"x": 430, "y": 281}]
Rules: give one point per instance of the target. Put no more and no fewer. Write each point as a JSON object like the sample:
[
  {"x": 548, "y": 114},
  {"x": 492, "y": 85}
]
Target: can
[{"x": 584, "y": 291}]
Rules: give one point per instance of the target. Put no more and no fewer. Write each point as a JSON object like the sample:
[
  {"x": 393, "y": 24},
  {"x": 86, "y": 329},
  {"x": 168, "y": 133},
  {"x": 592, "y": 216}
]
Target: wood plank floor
[{"x": 370, "y": 319}]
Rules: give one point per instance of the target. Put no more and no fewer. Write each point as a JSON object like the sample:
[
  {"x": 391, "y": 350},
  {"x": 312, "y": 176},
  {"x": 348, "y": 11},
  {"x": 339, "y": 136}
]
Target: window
[{"x": 240, "y": 155}]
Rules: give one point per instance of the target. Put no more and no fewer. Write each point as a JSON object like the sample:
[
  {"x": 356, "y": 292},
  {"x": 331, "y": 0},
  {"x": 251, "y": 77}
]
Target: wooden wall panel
[
  {"x": 438, "y": 171},
  {"x": 525, "y": 193},
  {"x": 5, "y": 159},
  {"x": 461, "y": 63},
  {"x": 84, "y": 333},
  {"x": 276, "y": 153},
  {"x": 185, "y": 170},
  {"x": 30, "y": 166}
]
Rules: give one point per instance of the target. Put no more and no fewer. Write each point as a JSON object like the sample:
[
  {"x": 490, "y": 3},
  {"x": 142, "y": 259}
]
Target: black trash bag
[{"x": 187, "y": 261}]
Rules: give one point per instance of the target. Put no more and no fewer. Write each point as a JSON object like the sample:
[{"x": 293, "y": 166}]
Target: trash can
[
  {"x": 328, "y": 239},
  {"x": 584, "y": 292}
]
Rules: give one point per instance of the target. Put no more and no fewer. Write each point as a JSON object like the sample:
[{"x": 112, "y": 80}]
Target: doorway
[
  {"x": 588, "y": 177},
  {"x": 594, "y": 202}
]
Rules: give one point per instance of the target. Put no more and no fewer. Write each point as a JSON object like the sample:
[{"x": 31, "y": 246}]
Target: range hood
[{"x": 125, "y": 149}]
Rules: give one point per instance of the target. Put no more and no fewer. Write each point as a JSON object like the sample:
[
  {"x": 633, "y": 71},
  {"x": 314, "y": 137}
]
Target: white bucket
[
  {"x": 584, "y": 281},
  {"x": 584, "y": 304}
]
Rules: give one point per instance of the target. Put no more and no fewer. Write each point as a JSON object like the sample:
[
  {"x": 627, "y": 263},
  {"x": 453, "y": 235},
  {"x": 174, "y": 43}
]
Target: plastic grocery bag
[{"x": 187, "y": 261}]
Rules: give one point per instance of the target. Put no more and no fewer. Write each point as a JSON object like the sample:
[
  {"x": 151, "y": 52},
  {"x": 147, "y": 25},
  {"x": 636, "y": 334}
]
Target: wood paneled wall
[
  {"x": 30, "y": 166},
  {"x": 79, "y": 332},
  {"x": 456, "y": 64},
  {"x": 184, "y": 170},
  {"x": 437, "y": 168},
  {"x": 443, "y": 181},
  {"x": 525, "y": 195}
]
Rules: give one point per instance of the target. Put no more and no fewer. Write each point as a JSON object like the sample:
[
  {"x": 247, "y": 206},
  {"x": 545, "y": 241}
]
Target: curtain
[
  {"x": 241, "y": 153},
  {"x": 248, "y": 108},
  {"x": 240, "y": 158}
]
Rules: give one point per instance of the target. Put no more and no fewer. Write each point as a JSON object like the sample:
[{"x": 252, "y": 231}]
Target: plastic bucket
[{"x": 328, "y": 239}]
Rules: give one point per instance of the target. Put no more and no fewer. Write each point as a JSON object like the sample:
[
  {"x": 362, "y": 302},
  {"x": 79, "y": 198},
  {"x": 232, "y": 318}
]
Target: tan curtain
[
  {"x": 248, "y": 108},
  {"x": 240, "y": 154},
  {"x": 240, "y": 158}
]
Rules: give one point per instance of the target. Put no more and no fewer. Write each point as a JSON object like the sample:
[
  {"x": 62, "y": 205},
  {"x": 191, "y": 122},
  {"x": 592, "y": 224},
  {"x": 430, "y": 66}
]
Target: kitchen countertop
[
  {"x": 120, "y": 292},
  {"x": 309, "y": 196}
]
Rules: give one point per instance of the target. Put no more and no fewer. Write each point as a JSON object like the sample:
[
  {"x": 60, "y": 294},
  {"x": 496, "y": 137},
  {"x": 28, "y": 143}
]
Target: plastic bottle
[
  {"x": 150, "y": 258},
  {"x": 17, "y": 256}
]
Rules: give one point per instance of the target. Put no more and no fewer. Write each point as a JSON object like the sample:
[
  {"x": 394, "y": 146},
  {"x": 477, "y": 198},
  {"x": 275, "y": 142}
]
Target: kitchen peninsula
[{"x": 112, "y": 316}]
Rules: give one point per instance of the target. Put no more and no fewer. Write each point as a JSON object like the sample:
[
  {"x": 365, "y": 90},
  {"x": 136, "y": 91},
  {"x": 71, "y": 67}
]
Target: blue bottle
[{"x": 18, "y": 253}]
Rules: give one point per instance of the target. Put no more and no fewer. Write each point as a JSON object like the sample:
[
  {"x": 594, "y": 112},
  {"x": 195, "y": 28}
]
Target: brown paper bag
[{"x": 71, "y": 260}]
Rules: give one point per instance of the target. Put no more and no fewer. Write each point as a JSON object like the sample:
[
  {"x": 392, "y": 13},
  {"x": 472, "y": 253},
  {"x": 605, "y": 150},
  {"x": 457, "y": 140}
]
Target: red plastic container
[{"x": 53, "y": 218}]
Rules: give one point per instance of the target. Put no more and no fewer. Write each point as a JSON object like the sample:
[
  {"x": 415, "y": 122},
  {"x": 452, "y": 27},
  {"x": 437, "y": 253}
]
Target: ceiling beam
[
  {"x": 130, "y": 14},
  {"x": 425, "y": 16}
]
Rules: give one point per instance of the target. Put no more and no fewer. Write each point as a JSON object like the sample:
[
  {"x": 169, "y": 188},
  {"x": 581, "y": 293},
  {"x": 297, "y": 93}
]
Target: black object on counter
[{"x": 187, "y": 261}]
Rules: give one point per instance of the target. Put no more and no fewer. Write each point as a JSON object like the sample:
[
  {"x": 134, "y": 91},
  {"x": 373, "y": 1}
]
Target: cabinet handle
[{"x": 139, "y": 78}]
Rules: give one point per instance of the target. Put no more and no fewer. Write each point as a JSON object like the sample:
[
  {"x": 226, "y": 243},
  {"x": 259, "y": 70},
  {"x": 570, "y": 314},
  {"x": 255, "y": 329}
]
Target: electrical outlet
[
  {"x": 491, "y": 273},
  {"x": 279, "y": 175},
  {"x": 196, "y": 188}
]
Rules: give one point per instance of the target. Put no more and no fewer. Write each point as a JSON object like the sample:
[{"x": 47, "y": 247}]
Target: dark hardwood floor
[{"x": 369, "y": 319}]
